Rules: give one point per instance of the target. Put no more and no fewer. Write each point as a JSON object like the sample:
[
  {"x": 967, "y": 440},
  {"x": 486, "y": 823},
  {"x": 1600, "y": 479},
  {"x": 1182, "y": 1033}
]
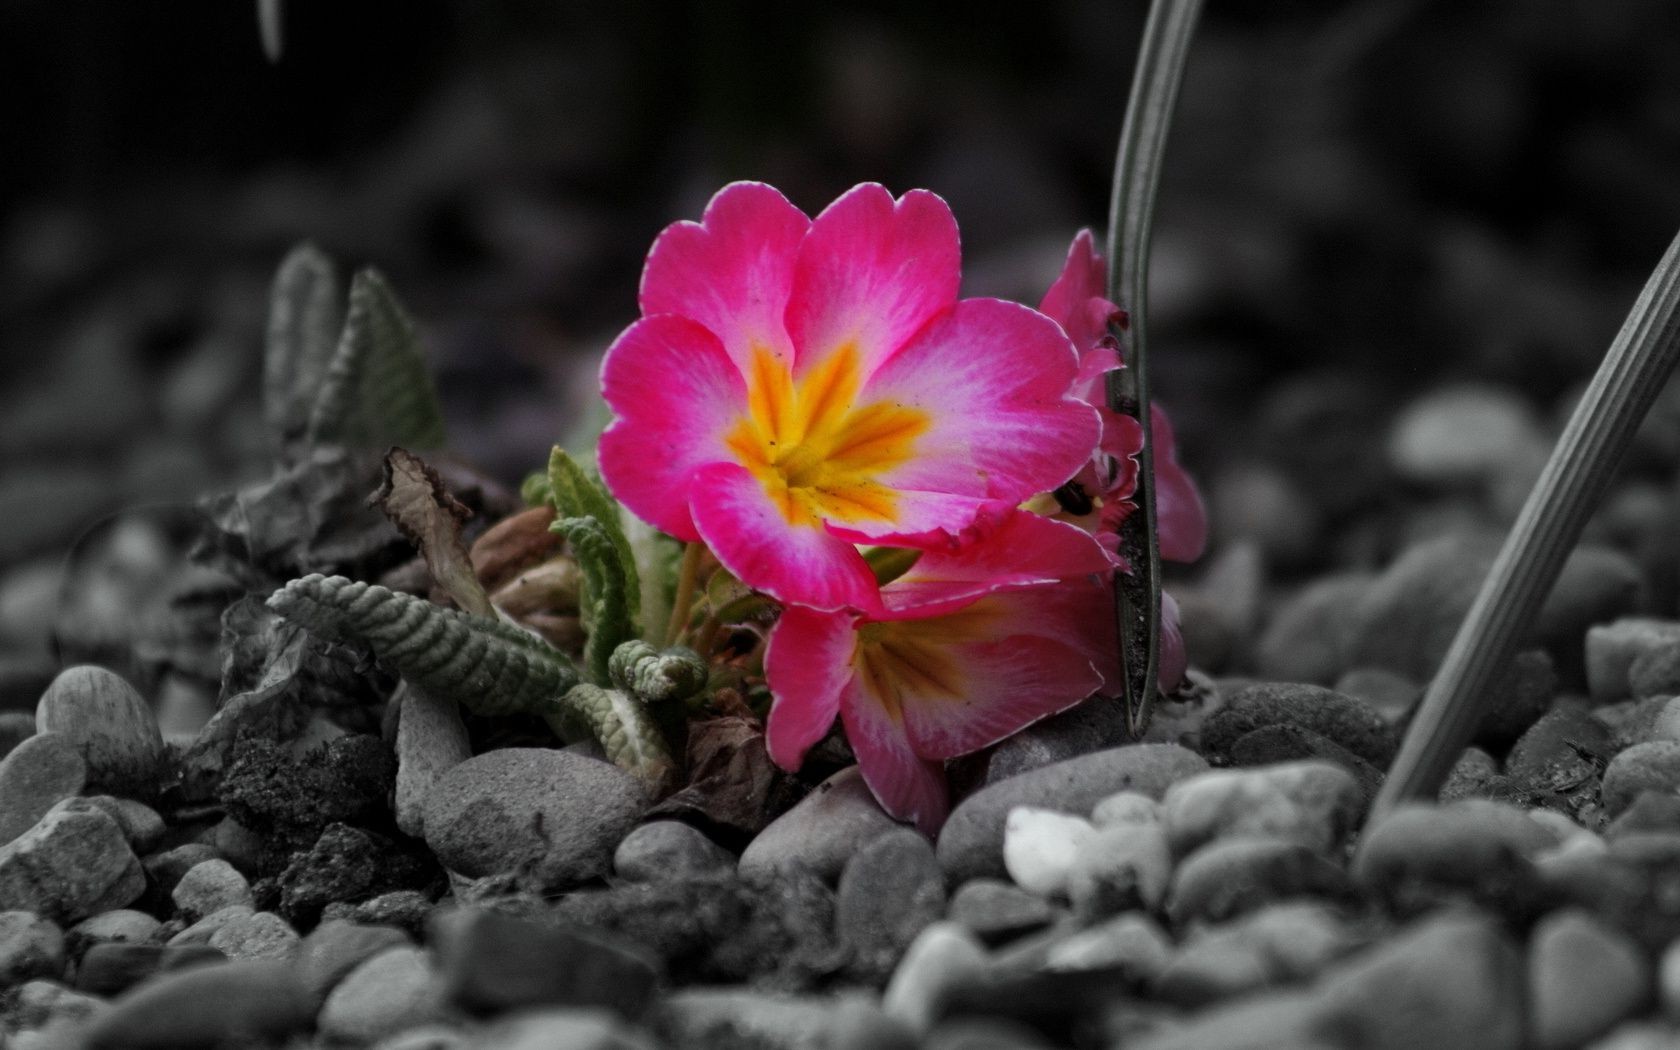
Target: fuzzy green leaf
[
  {"x": 656, "y": 676},
  {"x": 576, "y": 494},
  {"x": 607, "y": 590},
  {"x": 378, "y": 390},
  {"x": 305, "y": 312},
  {"x": 489, "y": 667},
  {"x": 626, "y": 730}
]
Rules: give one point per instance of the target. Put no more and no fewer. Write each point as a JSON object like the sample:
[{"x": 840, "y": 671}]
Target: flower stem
[
  {"x": 1137, "y": 174},
  {"x": 1642, "y": 356},
  {"x": 682, "y": 606}
]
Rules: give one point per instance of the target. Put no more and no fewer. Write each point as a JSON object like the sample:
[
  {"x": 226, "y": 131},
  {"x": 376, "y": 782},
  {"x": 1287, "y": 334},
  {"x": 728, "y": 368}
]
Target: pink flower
[
  {"x": 970, "y": 646},
  {"x": 796, "y": 387}
]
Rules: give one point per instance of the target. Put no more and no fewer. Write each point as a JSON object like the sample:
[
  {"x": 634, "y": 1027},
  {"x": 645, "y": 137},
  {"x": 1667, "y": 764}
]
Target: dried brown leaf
[{"x": 418, "y": 503}]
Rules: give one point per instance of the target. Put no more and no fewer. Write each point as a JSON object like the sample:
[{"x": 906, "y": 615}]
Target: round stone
[
  {"x": 668, "y": 849},
  {"x": 30, "y": 947},
  {"x": 1039, "y": 846},
  {"x": 1228, "y": 877},
  {"x": 385, "y": 994},
  {"x": 1651, "y": 766},
  {"x": 209, "y": 886},
  {"x": 1349, "y": 722},
  {"x": 1583, "y": 978},
  {"x": 888, "y": 893},
  {"x": 73, "y": 863},
  {"x": 204, "y": 1005},
  {"x": 553, "y": 816},
  {"x": 1313, "y": 803},
  {"x": 36, "y": 775},
  {"x": 431, "y": 740},
  {"x": 109, "y": 724},
  {"x": 822, "y": 831}
]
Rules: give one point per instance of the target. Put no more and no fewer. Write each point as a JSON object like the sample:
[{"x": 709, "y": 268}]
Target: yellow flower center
[
  {"x": 815, "y": 449},
  {"x": 917, "y": 658}
]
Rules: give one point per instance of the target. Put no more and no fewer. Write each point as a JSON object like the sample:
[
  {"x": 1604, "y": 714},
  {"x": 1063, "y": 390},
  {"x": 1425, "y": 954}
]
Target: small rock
[
  {"x": 1039, "y": 846},
  {"x": 1117, "y": 867},
  {"x": 1665, "y": 725},
  {"x": 1451, "y": 982},
  {"x": 1307, "y": 638},
  {"x": 203, "y": 1006},
  {"x": 552, "y": 816},
  {"x": 971, "y": 843},
  {"x": 741, "y": 1017},
  {"x": 888, "y": 893},
  {"x": 201, "y": 931},
  {"x": 668, "y": 849},
  {"x": 491, "y": 963},
  {"x": 1389, "y": 693},
  {"x": 334, "y": 948},
  {"x": 391, "y": 991},
  {"x": 1234, "y": 875},
  {"x": 996, "y": 910},
  {"x": 1132, "y": 945},
  {"x": 73, "y": 863},
  {"x": 15, "y": 727},
  {"x": 1639, "y": 1035},
  {"x": 346, "y": 865},
  {"x": 41, "y": 1005},
  {"x": 1655, "y": 673},
  {"x": 943, "y": 957},
  {"x": 140, "y": 823},
  {"x": 256, "y": 935},
  {"x": 119, "y": 926},
  {"x": 1564, "y": 749},
  {"x": 1668, "y": 980},
  {"x": 1652, "y": 766},
  {"x": 1649, "y": 811},
  {"x": 572, "y": 1028},
  {"x": 1347, "y": 721},
  {"x": 1314, "y": 803},
  {"x": 1612, "y": 648},
  {"x": 1521, "y": 694},
  {"x": 110, "y": 725},
  {"x": 39, "y": 773},
  {"x": 209, "y": 886},
  {"x": 110, "y": 969},
  {"x": 1419, "y": 855},
  {"x": 860, "y": 1024},
  {"x": 429, "y": 1037},
  {"x": 1278, "y": 744},
  {"x": 962, "y": 1032},
  {"x": 1474, "y": 775},
  {"x": 431, "y": 740},
  {"x": 1583, "y": 977},
  {"x": 822, "y": 831},
  {"x": 1126, "y": 808},
  {"x": 1262, "y": 1022},
  {"x": 407, "y": 910},
  {"x": 1278, "y": 944},
  {"x": 1467, "y": 434},
  {"x": 1091, "y": 726},
  {"x": 30, "y": 947}
]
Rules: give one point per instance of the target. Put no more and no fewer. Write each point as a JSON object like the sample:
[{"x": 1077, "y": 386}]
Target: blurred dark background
[{"x": 1363, "y": 200}]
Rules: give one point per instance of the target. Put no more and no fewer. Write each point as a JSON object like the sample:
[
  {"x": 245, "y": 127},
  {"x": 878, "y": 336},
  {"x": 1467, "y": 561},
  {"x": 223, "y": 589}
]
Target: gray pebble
[
  {"x": 572, "y": 1028},
  {"x": 15, "y": 728},
  {"x": 1039, "y": 846},
  {"x": 1651, "y": 766},
  {"x": 388, "y": 992},
  {"x": 1562, "y": 749},
  {"x": 336, "y": 947},
  {"x": 552, "y": 816},
  {"x": 203, "y": 1005},
  {"x": 971, "y": 843},
  {"x": 431, "y": 740},
  {"x": 668, "y": 849},
  {"x": 1343, "y": 719},
  {"x": 1314, "y": 803},
  {"x": 1655, "y": 673},
  {"x": 1276, "y": 744},
  {"x": 113, "y": 968},
  {"x": 859, "y": 1023},
  {"x": 1308, "y": 636},
  {"x": 888, "y": 893},
  {"x": 491, "y": 963},
  {"x": 201, "y": 931},
  {"x": 73, "y": 863},
  {"x": 258, "y": 935},
  {"x": 141, "y": 824},
  {"x": 1234, "y": 875},
  {"x": 1583, "y": 978},
  {"x": 30, "y": 947},
  {"x": 744, "y": 1017},
  {"x": 110, "y": 724},
  {"x": 1117, "y": 867},
  {"x": 1278, "y": 944},
  {"x": 1132, "y": 946},
  {"x": 1419, "y": 854},
  {"x": 822, "y": 831},
  {"x": 39, "y": 773},
  {"x": 1090, "y": 726},
  {"x": 1262, "y": 1022},
  {"x": 118, "y": 926},
  {"x": 1391, "y": 694},
  {"x": 42, "y": 1005},
  {"x": 165, "y": 868},
  {"x": 1612, "y": 648},
  {"x": 942, "y": 958},
  {"x": 997, "y": 910},
  {"x": 209, "y": 886},
  {"x": 428, "y": 1037},
  {"x": 1468, "y": 434}
]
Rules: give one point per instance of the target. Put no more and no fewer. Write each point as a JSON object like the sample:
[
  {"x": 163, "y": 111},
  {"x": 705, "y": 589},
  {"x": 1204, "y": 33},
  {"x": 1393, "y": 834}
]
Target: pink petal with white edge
[
  {"x": 871, "y": 272},
  {"x": 674, "y": 392},
  {"x": 1027, "y": 654},
  {"x": 993, "y": 378},
  {"x": 908, "y": 786},
  {"x": 807, "y": 662},
  {"x": 1180, "y": 518},
  {"x": 1173, "y": 660},
  {"x": 752, "y": 538},
  {"x": 732, "y": 271},
  {"x": 1010, "y": 549}
]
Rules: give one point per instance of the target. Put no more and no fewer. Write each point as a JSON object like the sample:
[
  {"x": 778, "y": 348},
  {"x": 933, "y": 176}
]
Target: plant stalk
[
  {"x": 682, "y": 605},
  {"x": 1642, "y": 356},
  {"x": 1137, "y": 174}
]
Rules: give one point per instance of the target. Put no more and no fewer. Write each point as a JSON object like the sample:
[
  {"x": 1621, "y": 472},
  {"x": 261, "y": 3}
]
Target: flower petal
[
  {"x": 674, "y": 392},
  {"x": 992, "y": 378},
  {"x": 753, "y": 538},
  {"x": 732, "y": 271},
  {"x": 871, "y": 272},
  {"x": 908, "y": 786},
  {"x": 1077, "y": 299},
  {"x": 1010, "y": 549},
  {"x": 1173, "y": 660},
  {"x": 969, "y": 678},
  {"x": 1180, "y": 518},
  {"x": 807, "y": 662}
]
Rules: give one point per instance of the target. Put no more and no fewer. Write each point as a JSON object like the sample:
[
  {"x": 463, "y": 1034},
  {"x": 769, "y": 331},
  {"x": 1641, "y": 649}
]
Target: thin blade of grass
[
  {"x": 1642, "y": 356},
  {"x": 1131, "y": 210}
]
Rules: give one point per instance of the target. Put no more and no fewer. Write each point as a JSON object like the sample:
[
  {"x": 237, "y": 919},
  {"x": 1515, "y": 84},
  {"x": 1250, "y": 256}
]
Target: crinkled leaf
[
  {"x": 626, "y": 731},
  {"x": 305, "y": 312},
  {"x": 606, "y": 593},
  {"x": 657, "y": 558},
  {"x": 378, "y": 390},
  {"x": 657, "y": 676},
  {"x": 513, "y": 545},
  {"x": 534, "y": 490},
  {"x": 415, "y": 499},
  {"x": 488, "y": 667},
  {"x": 576, "y": 494},
  {"x": 732, "y": 784}
]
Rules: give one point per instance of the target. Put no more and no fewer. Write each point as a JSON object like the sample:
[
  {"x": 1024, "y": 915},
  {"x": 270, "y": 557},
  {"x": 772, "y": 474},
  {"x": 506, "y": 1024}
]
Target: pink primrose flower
[
  {"x": 971, "y": 645},
  {"x": 796, "y": 387}
]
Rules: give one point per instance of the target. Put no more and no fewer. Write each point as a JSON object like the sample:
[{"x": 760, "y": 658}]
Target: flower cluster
[{"x": 801, "y": 390}]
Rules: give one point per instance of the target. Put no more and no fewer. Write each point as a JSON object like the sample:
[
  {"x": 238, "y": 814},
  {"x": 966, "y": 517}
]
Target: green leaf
[
  {"x": 576, "y": 494},
  {"x": 656, "y": 557},
  {"x": 657, "y": 676},
  {"x": 607, "y": 590},
  {"x": 626, "y": 730},
  {"x": 534, "y": 490},
  {"x": 305, "y": 312},
  {"x": 378, "y": 390},
  {"x": 489, "y": 667}
]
